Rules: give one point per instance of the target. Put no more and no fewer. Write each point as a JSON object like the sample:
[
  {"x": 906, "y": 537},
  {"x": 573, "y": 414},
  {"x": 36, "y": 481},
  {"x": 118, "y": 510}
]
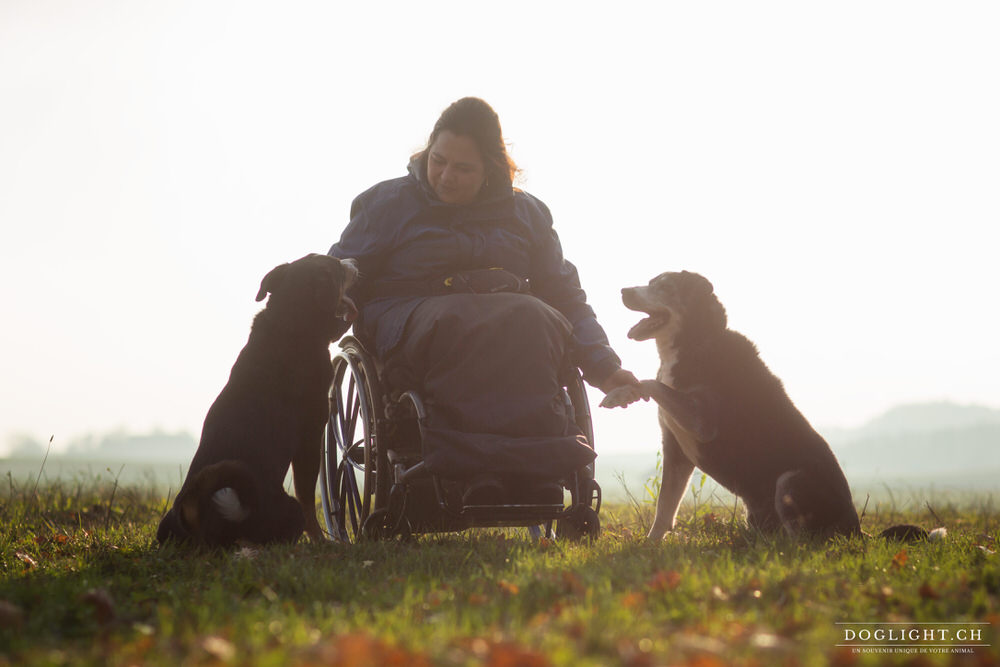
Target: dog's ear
[
  {"x": 271, "y": 280},
  {"x": 700, "y": 285}
]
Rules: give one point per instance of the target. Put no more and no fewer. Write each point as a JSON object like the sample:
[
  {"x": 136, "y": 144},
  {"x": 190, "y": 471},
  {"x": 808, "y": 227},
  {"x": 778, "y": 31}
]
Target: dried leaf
[
  {"x": 927, "y": 592},
  {"x": 572, "y": 583},
  {"x": 665, "y": 580},
  {"x": 509, "y": 588},
  {"x": 219, "y": 648},
  {"x": 360, "y": 649},
  {"x": 11, "y": 616},
  {"x": 633, "y": 599},
  {"x": 104, "y": 606},
  {"x": 899, "y": 560},
  {"x": 29, "y": 562},
  {"x": 509, "y": 655}
]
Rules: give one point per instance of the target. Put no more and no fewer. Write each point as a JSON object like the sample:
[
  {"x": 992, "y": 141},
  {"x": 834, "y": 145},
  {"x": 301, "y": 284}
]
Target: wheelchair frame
[{"x": 373, "y": 481}]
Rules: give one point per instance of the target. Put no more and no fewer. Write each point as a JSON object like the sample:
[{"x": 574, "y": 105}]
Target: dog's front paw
[{"x": 623, "y": 396}]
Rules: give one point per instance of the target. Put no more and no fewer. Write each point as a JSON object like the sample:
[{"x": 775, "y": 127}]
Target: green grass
[{"x": 82, "y": 581}]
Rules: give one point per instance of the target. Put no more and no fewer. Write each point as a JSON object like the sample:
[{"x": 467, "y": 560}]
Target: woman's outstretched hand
[
  {"x": 620, "y": 378},
  {"x": 622, "y": 388}
]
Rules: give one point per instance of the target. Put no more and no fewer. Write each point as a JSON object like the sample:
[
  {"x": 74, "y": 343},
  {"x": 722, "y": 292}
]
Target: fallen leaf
[
  {"x": 104, "y": 606},
  {"x": 633, "y": 599},
  {"x": 572, "y": 583},
  {"x": 359, "y": 649},
  {"x": 899, "y": 560},
  {"x": 509, "y": 655},
  {"x": 665, "y": 580},
  {"x": 509, "y": 588},
  {"x": 927, "y": 592},
  {"x": 11, "y": 616},
  {"x": 219, "y": 648},
  {"x": 30, "y": 562},
  {"x": 767, "y": 640}
]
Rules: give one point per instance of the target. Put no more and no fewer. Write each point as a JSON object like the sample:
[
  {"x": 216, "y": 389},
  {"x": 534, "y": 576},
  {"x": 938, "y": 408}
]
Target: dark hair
[{"x": 474, "y": 118}]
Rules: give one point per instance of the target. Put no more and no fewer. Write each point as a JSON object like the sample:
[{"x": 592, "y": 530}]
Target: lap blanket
[{"x": 490, "y": 370}]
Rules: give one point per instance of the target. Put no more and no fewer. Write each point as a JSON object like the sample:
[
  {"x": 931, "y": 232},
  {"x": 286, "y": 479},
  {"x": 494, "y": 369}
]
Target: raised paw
[{"x": 623, "y": 396}]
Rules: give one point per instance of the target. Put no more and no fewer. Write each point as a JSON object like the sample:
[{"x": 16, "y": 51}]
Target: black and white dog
[{"x": 722, "y": 410}]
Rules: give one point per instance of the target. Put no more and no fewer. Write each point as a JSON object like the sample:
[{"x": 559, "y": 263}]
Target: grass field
[{"x": 82, "y": 581}]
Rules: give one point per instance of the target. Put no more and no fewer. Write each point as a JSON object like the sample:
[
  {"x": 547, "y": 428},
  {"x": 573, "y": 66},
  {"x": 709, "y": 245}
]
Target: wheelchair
[{"x": 374, "y": 484}]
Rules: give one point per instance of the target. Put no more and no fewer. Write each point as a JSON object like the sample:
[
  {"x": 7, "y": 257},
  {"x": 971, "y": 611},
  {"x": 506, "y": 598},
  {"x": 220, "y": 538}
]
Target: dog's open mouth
[
  {"x": 347, "y": 311},
  {"x": 648, "y": 326}
]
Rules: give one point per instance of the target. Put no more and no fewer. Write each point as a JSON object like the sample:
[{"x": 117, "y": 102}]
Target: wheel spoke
[
  {"x": 352, "y": 499},
  {"x": 353, "y": 423}
]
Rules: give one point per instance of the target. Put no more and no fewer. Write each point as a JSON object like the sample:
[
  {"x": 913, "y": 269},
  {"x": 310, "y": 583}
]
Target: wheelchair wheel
[
  {"x": 582, "y": 524},
  {"x": 354, "y": 474}
]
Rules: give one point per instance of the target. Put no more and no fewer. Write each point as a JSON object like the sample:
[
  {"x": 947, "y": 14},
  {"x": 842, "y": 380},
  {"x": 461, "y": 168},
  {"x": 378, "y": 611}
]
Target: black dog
[
  {"x": 723, "y": 411},
  {"x": 270, "y": 414}
]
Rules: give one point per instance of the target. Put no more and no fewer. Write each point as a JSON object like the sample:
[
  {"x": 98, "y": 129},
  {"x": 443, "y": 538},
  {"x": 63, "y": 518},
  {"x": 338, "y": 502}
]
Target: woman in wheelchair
[{"x": 465, "y": 298}]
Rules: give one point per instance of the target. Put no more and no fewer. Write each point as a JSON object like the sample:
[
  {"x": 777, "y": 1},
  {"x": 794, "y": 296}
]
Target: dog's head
[
  {"x": 676, "y": 302},
  {"x": 313, "y": 289}
]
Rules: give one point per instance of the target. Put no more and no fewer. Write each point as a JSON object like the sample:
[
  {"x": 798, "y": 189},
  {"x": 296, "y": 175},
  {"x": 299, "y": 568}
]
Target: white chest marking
[
  {"x": 668, "y": 359},
  {"x": 688, "y": 443}
]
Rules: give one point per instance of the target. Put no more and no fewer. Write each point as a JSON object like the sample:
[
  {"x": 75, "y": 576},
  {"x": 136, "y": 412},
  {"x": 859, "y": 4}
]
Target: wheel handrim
[{"x": 347, "y": 472}]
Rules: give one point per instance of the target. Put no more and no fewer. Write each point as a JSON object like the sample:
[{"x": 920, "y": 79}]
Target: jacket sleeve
[
  {"x": 357, "y": 241},
  {"x": 555, "y": 280}
]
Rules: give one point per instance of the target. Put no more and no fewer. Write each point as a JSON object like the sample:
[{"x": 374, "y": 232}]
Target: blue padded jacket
[{"x": 400, "y": 232}]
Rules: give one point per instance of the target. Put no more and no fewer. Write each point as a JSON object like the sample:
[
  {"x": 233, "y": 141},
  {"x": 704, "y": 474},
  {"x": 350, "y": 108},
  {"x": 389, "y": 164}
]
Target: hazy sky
[{"x": 833, "y": 168}]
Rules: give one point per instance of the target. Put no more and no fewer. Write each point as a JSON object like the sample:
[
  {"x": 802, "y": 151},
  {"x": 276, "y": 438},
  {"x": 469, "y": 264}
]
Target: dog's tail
[
  {"x": 906, "y": 532},
  {"x": 213, "y": 507}
]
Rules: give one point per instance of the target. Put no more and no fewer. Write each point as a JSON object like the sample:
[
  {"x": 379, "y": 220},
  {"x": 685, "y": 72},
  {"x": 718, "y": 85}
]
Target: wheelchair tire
[
  {"x": 354, "y": 472},
  {"x": 381, "y": 525},
  {"x": 582, "y": 524}
]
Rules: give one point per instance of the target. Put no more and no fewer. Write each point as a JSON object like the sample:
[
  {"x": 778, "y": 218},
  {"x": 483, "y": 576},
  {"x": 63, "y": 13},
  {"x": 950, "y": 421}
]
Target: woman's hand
[
  {"x": 620, "y": 378},
  {"x": 622, "y": 389}
]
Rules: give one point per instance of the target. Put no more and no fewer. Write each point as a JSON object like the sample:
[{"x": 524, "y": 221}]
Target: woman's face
[{"x": 455, "y": 168}]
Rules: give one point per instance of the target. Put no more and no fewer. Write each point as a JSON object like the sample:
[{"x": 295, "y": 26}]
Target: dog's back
[{"x": 765, "y": 450}]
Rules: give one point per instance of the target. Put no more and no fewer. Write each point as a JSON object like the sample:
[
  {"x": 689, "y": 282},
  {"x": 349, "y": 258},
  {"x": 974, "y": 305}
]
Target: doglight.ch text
[{"x": 914, "y": 637}]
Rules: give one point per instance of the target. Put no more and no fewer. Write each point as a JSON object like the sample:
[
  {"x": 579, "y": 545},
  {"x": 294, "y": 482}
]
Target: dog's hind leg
[
  {"x": 279, "y": 520},
  {"x": 807, "y": 503},
  {"x": 677, "y": 469}
]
